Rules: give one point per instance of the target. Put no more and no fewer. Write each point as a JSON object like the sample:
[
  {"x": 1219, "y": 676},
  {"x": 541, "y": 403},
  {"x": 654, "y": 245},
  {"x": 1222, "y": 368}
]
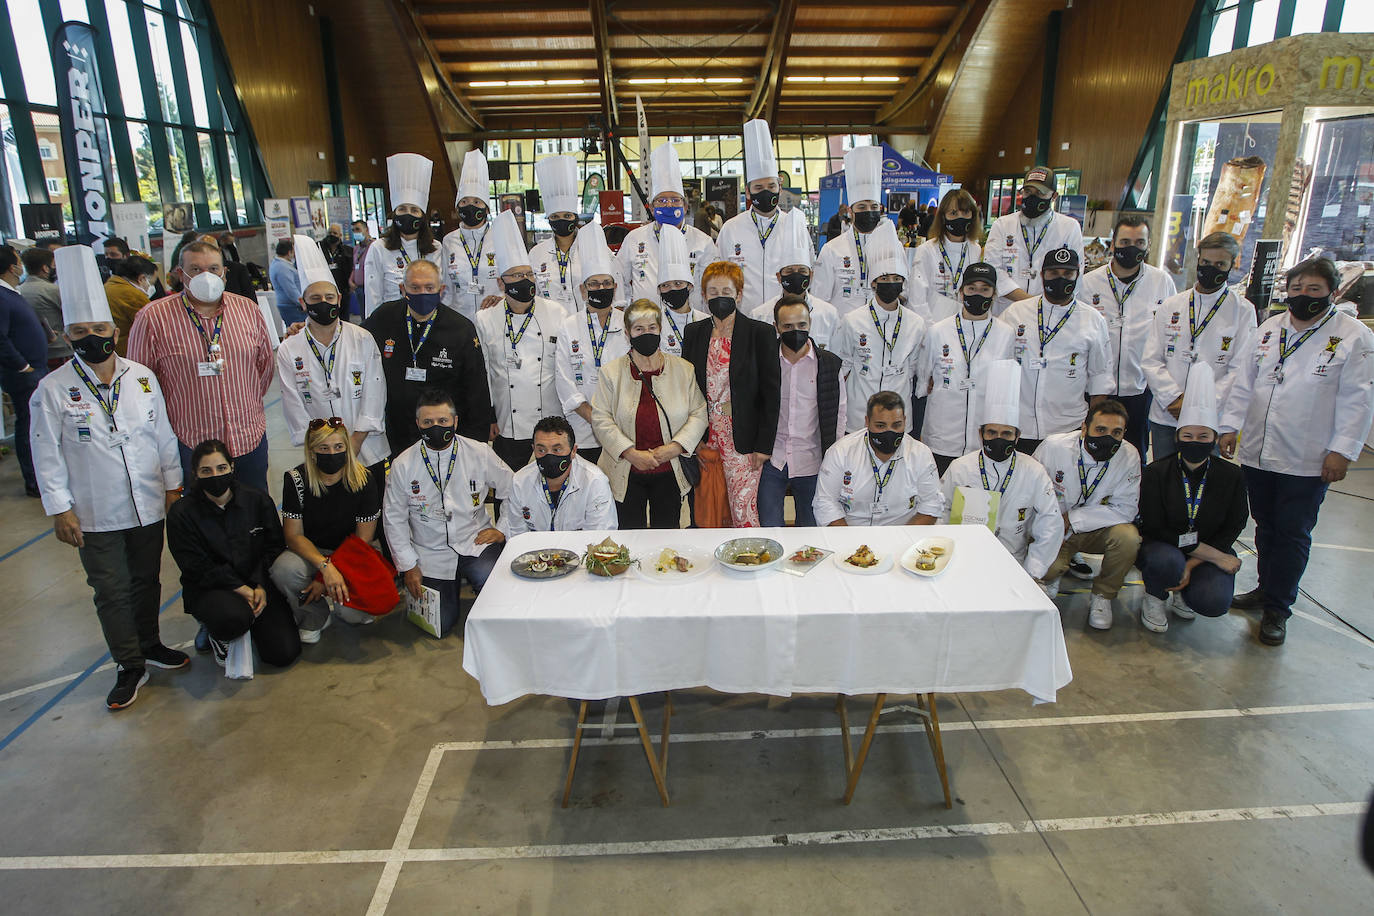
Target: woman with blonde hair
[
  {"x": 954, "y": 242},
  {"x": 325, "y": 499},
  {"x": 648, "y": 415}
]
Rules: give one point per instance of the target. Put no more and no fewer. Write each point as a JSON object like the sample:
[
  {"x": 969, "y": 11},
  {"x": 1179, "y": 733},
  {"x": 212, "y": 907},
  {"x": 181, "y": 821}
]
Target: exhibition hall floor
[{"x": 1194, "y": 771}]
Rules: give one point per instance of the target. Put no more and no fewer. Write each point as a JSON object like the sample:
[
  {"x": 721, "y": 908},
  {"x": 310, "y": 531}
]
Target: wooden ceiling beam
[
  {"x": 764, "y": 102},
  {"x": 600, "y": 35}
]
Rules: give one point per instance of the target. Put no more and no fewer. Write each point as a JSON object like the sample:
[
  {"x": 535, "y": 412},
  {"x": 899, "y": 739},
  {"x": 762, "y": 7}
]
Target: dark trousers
[
  {"x": 514, "y": 452},
  {"x": 476, "y": 570},
  {"x": 1209, "y": 590},
  {"x": 1027, "y": 446},
  {"x": 773, "y": 486},
  {"x": 942, "y": 462},
  {"x": 226, "y": 617},
  {"x": 1284, "y": 507},
  {"x": 651, "y": 501},
  {"x": 122, "y": 567},
  {"x": 1138, "y": 421},
  {"x": 20, "y": 388},
  {"x": 918, "y": 416},
  {"x": 250, "y": 469},
  {"x": 589, "y": 454}
]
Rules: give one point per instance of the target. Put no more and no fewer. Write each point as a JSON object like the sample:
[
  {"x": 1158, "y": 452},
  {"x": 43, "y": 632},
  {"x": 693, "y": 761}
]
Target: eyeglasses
[{"x": 332, "y": 423}]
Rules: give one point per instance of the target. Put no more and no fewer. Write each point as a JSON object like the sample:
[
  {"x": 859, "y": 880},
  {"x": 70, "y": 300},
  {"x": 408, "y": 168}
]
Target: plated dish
[
  {"x": 863, "y": 561},
  {"x": 554, "y": 563},
  {"x": 673, "y": 564},
  {"x": 749, "y": 554},
  {"x": 607, "y": 559},
  {"x": 928, "y": 556}
]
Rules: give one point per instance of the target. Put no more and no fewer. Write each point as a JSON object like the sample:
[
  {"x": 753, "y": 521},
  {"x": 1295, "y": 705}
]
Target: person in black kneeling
[{"x": 224, "y": 536}]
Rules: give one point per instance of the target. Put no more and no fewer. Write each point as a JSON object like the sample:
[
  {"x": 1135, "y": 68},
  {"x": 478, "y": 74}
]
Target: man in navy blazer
[{"x": 23, "y": 358}]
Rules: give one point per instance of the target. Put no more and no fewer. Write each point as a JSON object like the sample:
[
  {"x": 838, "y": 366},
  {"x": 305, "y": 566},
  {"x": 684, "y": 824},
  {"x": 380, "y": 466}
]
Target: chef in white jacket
[
  {"x": 107, "y": 466},
  {"x": 1063, "y": 351},
  {"x": 559, "y": 490},
  {"x": 792, "y": 248},
  {"x": 333, "y": 367},
  {"x": 938, "y": 265},
  {"x": 954, "y": 367},
  {"x": 592, "y": 335},
  {"x": 469, "y": 252},
  {"x": 552, "y": 258},
  {"x": 751, "y": 238},
  {"x": 639, "y": 255},
  {"x": 995, "y": 486},
  {"x": 519, "y": 339},
  {"x": 881, "y": 343},
  {"x": 676, "y": 282},
  {"x": 1018, "y": 242},
  {"x": 409, "y": 237},
  {"x": 844, "y": 271}
]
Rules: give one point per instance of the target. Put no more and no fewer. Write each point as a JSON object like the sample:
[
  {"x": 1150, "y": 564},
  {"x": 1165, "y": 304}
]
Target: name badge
[
  {"x": 118, "y": 439},
  {"x": 209, "y": 368},
  {"x": 1039, "y": 363},
  {"x": 1188, "y": 540},
  {"x": 83, "y": 433},
  {"x": 965, "y": 384},
  {"x": 1276, "y": 376},
  {"x": 414, "y": 374}
]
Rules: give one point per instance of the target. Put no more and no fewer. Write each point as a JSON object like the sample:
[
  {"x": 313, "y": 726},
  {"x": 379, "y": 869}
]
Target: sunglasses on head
[{"x": 332, "y": 423}]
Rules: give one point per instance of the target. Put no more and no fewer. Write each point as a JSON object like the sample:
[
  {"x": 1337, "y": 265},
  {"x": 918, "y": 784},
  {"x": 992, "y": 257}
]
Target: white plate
[
  {"x": 884, "y": 564},
  {"x": 735, "y": 545},
  {"x": 909, "y": 558},
  {"x": 648, "y": 563}
]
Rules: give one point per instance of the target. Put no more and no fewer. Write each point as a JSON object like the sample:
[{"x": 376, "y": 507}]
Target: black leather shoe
[
  {"x": 203, "y": 641},
  {"x": 1273, "y": 628},
  {"x": 1252, "y": 600}
]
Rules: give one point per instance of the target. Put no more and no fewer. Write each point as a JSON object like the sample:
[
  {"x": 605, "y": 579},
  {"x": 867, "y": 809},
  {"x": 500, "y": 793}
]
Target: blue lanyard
[
  {"x": 333, "y": 350},
  {"x": 896, "y": 330},
  {"x": 1130, "y": 288},
  {"x": 954, "y": 274},
  {"x": 563, "y": 258},
  {"x": 1083, "y": 487},
  {"x": 1047, "y": 336},
  {"x": 548, "y": 498},
  {"x": 880, "y": 482},
  {"x": 433, "y": 475},
  {"x": 1286, "y": 351},
  {"x": 473, "y": 259},
  {"x": 963, "y": 345},
  {"x": 1193, "y": 501},
  {"x": 863, "y": 261},
  {"x": 597, "y": 346},
  {"x": 668, "y": 313},
  {"x": 764, "y": 234},
  {"x": 1194, "y": 329},
  {"x": 113, "y": 404},
  {"x": 1031, "y": 249},
  {"x": 212, "y": 346},
  {"x": 1006, "y": 481},
  {"x": 427, "y": 326},
  {"x": 513, "y": 337}
]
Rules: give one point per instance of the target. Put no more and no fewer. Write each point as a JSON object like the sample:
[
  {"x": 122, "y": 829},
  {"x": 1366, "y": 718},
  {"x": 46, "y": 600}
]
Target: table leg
[
  {"x": 937, "y": 748},
  {"x": 854, "y": 766},
  {"x": 648, "y": 744},
  {"x": 577, "y": 746}
]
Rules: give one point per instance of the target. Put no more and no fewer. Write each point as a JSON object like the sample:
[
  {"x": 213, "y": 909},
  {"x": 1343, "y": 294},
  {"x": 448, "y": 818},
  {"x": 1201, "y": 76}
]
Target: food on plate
[
  {"x": 862, "y": 558},
  {"x": 926, "y": 557},
  {"x": 807, "y": 555},
  {"x": 752, "y": 558},
  {"x": 672, "y": 561},
  {"x": 539, "y": 566},
  {"x": 935, "y": 551},
  {"x": 607, "y": 558}
]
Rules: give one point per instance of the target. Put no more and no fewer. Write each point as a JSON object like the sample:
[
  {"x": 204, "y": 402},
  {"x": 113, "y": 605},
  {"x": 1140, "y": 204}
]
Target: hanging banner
[
  {"x": 130, "y": 222},
  {"x": 85, "y": 132},
  {"x": 642, "y": 121},
  {"x": 42, "y": 222},
  {"x": 276, "y": 231},
  {"x": 276, "y": 208},
  {"x": 339, "y": 210},
  {"x": 612, "y": 207}
]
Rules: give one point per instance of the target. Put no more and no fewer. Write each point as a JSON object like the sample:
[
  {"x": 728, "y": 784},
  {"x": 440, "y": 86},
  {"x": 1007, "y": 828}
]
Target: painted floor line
[
  {"x": 1334, "y": 628},
  {"x": 35, "y": 688},
  {"x": 29, "y": 543},
  {"x": 1346, "y": 546},
  {"x": 386, "y": 884},
  {"x": 689, "y": 845}
]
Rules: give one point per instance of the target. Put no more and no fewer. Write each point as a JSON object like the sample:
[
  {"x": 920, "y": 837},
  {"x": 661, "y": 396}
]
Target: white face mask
[{"x": 206, "y": 287}]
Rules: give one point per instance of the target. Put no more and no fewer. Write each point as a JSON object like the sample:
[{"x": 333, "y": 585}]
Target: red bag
[{"x": 371, "y": 577}]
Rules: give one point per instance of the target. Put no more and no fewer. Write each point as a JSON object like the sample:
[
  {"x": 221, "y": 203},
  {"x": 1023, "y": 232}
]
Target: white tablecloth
[{"x": 982, "y": 624}]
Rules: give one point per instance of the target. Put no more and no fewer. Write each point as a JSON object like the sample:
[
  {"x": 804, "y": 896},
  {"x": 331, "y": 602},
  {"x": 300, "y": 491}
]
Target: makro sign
[
  {"x": 1237, "y": 83},
  {"x": 1317, "y": 69},
  {"x": 85, "y": 131}
]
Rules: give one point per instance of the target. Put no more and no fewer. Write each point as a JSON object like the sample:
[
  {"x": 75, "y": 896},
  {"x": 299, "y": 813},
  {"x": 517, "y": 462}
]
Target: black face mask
[
  {"x": 885, "y": 442},
  {"x": 1128, "y": 257},
  {"x": 645, "y": 344},
  {"x": 323, "y": 312},
  {"x": 999, "y": 449},
  {"x": 1211, "y": 277},
  {"x": 1101, "y": 448},
  {"x": 1195, "y": 452},
  {"x": 867, "y": 220},
  {"x": 795, "y": 283},
  {"x": 676, "y": 298},
  {"x": 94, "y": 349},
  {"x": 1305, "y": 308},
  {"x": 600, "y": 298},
  {"x": 721, "y": 306},
  {"x": 553, "y": 465},
  {"x": 472, "y": 215},
  {"x": 958, "y": 227},
  {"x": 217, "y": 485},
  {"x": 795, "y": 340},
  {"x": 331, "y": 462},
  {"x": 888, "y": 290},
  {"x": 766, "y": 201},
  {"x": 437, "y": 437},
  {"x": 976, "y": 304},
  {"x": 406, "y": 223},
  {"x": 1060, "y": 289},
  {"x": 563, "y": 227},
  {"x": 521, "y": 290},
  {"x": 1032, "y": 206}
]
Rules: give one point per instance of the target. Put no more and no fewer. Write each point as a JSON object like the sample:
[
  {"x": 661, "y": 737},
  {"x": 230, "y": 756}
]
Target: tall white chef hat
[
  {"x": 593, "y": 257},
  {"x": 1199, "y": 396},
  {"x": 509, "y": 243},
  {"x": 667, "y": 171},
  {"x": 863, "y": 174},
  {"x": 884, "y": 251},
  {"x": 311, "y": 267},
  {"x": 557, "y": 177},
  {"x": 408, "y": 174},
  {"x": 794, "y": 241},
  {"x": 473, "y": 181},
  {"x": 1002, "y": 394},
  {"x": 759, "y": 160},
  {"x": 672, "y": 256},
  {"x": 78, "y": 279}
]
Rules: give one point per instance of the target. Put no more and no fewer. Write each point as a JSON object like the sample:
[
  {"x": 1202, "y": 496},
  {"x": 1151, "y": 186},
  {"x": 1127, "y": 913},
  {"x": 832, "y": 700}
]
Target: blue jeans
[
  {"x": 290, "y": 314},
  {"x": 1209, "y": 589},
  {"x": 1284, "y": 507},
  {"x": 250, "y": 469},
  {"x": 475, "y": 569},
  {"x": 773, "y": 486}
]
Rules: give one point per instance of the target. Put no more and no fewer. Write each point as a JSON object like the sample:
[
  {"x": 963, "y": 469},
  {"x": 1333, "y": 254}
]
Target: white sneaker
[
  {"x": 310, "y": 637},
  {"x": 1100, "y": 613},
  {"x": 1050, "y": 588},
  {"x": 353, "y": 616},
  {"x": 1153, "y": 616},
  {"x": 1180, "y": 607}
]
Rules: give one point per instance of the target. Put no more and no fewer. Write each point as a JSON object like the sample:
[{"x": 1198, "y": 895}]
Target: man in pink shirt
[{"x": 811, "y": 414}]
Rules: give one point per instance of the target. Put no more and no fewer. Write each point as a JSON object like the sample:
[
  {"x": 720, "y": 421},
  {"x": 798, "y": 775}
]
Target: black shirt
[
  {"x": 1221, "y": 517},
  {"x": 333, "y": 515},
  {"x": 222, "y": 549}
]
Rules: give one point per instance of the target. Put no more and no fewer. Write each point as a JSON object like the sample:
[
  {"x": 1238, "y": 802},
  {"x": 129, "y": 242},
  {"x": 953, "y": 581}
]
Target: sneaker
[
  {"x": 1252, "y": 600},
  {"x": 219, "y": 649},
  {"x": 310, "y": 637},
  {"x": 162, "y": 657},
  {"x": 203, "y": 641},
  {"x": 353, "y": 616},
  {"x": 127, "y": 682},
  {"x": 1180, "y": 607},
  {"x": 1050, "y": 588},
  {"x": 1080, "y": 570},
  {"x": 1153, "y": 617},
  {"x": 1100, "y": 613},
  {"x": 1273, "y": 628}
]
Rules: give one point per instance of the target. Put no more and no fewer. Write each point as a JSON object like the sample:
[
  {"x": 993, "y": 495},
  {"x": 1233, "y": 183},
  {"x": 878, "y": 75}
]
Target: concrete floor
[{"x": 1196, "y": 771}]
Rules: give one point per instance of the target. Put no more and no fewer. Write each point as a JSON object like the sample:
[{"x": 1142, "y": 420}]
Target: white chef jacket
[
  {"x": 1128, "y": 307},
  {"x": 954, "y": 408},
  {"x": 585, "y": 502},
  {"x": 936, "y": 266},
  {"x": 824, "y": 317},
  {"x": 466, "y": 285},
  {"x": 1170, "y": 350},
  {"x": 739, "y": 242},
  {"x": 1115, "y": 498},
  {"x": 1325, "y": 402},
  {"x": 356, "y": 392},
  {"x": 840, "y": 276},
  {"x": 847, "y": 487},
  {"x": 552, "y": 280},
  {"x": 384, "y": 271},
  {"x": 522, "y": 379},
  {"x": 1076, "y": 364},
  {"x": 872, "y": 363},
  {"x": 1028, "y": 522},
  {"x": 434, "y": 527},
  {"x": 1018, "y": 265},
  {"x": 113, "y": 479},
  {"x": 674, "y": 325},
  {"x": 577, "y": 369},
  {"x": 638, "y": 259}
]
